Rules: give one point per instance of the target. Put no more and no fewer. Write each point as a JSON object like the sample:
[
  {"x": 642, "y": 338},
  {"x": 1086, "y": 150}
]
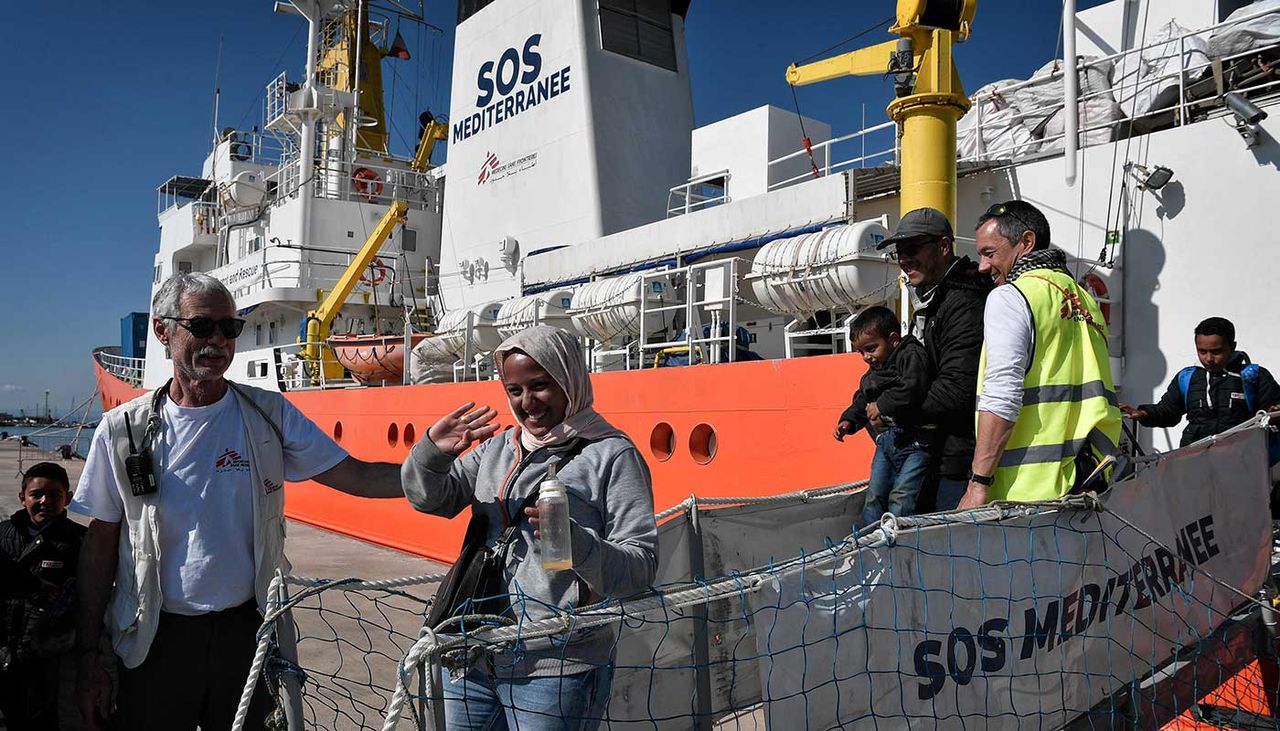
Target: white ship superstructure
[
  {"x": 278, "y": 213},
  {"x": 580, "y": 194}
]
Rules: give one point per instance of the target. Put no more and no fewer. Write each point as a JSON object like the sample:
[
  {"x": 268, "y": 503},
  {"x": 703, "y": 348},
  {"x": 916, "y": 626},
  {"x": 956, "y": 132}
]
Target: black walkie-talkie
[{"x": 137, "y": 466}]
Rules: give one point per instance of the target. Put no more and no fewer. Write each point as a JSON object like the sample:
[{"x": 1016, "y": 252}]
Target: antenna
[{"x": 217, "y": 93}]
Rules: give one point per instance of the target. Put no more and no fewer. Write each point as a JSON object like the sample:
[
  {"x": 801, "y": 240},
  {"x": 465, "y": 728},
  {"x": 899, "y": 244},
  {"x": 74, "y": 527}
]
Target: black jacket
[
  {"x": 952, "y": 337},
  {"x": 37, "y": 598},
  {"x": 897, "y": 387},
  {"x": 1214, "y": 402}
]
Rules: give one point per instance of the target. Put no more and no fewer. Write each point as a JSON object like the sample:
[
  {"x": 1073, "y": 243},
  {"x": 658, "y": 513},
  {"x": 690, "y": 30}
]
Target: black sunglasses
[
  {"x": 1002, "y": 209},
  {"x": 202, "y": 327}
]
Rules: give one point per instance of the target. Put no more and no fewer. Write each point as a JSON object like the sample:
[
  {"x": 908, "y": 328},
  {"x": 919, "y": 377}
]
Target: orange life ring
[
  {"x": 1097, "y": 287},
  {"x": 379, "y": 272},
  {"x": 368, "y": 184}
]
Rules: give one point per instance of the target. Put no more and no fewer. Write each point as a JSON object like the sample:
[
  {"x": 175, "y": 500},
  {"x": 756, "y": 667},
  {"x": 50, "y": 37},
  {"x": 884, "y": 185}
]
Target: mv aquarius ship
[{"x": 712, "y": 271}]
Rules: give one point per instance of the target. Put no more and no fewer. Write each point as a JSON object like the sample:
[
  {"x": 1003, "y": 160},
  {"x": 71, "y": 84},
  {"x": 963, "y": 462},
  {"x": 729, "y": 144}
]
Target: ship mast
[{"x": 930, "y": 98}]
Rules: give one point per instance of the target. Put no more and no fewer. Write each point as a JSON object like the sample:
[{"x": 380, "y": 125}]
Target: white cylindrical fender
[
  {"x": 452, "y": 328},
  {"x": 608, "y": 310},
  {"x": 544, "y": 308},
  {"x": 835, "y": 269}
]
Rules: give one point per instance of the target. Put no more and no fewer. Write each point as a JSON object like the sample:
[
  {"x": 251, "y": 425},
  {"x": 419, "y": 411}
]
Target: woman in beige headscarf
[{"x": 551, "y": 684}]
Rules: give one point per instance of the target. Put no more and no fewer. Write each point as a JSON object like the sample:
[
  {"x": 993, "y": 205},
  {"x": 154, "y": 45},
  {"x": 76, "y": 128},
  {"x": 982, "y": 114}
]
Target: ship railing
[
  {"x": 289, "y": 266},
  {"x": 1198, "y": 78},
  {"x": 1200, "y": 83},
  {"x": 204, "y": 219},
  {"x": 129, "y": 370},
  {"x": 701, "y": 192},
  {"x": 251, "y": 145},
  {"x": 295, "y": 372},
  {"x": 710, "y": 309},
  {"x": 362, "y": 181},
  {"x": 277, "y": 99},
  {"x": 817, "y": 161}
]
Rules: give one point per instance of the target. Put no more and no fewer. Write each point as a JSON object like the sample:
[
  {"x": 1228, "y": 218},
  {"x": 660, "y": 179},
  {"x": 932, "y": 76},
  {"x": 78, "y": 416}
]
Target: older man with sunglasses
[
  {"x": 185, "y": 490},
  {"x": 1047, "y": 414}
]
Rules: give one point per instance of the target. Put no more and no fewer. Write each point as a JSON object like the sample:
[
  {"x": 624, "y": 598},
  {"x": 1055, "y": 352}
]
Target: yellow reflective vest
[{"x": 1068, "y": 400}]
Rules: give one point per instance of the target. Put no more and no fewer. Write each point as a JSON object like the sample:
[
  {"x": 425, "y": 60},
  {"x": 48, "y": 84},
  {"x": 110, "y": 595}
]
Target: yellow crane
[
  {"x": 930, "y": 97},
  {"x": 320, "y": 320}
]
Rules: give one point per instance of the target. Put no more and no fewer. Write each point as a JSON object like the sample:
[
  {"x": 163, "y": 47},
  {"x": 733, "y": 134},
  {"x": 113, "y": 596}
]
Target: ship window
[
  {"x": 184, "y": 267},
  {"x": 159, "y": 269},
  {"x": 639, "y": 29},
  {"x": 1227, "y": 7},
  {"x": 255, "y": 244},
  {"x": 271, "y": 333},
  {"x": 468, "y": 8},
  {"x": 257, "y": 334},
  {"x": 409, "y": 240}
]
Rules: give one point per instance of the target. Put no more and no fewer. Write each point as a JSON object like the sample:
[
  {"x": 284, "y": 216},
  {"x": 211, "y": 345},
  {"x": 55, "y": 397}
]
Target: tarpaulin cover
[{"x": 1241, "y": 37}]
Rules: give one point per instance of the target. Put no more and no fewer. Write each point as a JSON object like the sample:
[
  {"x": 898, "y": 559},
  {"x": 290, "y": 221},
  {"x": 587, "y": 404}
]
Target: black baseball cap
[{"x": 922, "y": 223}]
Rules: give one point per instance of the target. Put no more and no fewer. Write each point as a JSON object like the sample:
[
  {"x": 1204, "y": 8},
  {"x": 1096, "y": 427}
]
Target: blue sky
[{"x": 106, "y": 100}]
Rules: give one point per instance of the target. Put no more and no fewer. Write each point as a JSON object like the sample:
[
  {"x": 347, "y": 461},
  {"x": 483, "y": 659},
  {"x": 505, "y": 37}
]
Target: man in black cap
[{"x": 949, "y": 295}]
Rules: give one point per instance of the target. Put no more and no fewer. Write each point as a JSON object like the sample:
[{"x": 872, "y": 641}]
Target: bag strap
[
  {"x": 513, "y": 522},
  {"x": 1184, "y": 382},
  {"x": 1249, "y": 375}
]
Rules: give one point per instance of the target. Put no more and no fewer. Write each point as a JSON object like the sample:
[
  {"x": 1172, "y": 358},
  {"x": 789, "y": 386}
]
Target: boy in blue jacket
[{"x": 1223, "y": 391}]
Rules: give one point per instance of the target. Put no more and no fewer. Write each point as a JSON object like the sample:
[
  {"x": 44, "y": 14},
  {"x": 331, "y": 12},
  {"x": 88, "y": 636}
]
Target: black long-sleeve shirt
[
  {"x": 1214, "y": 402},
  {"x": 898, "y": 388}
]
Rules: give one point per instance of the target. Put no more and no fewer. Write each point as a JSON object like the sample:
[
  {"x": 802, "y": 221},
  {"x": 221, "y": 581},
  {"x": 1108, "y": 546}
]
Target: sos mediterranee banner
[
  {"x": 1030, "y": 620},
  {"x": 510, "y": 85}
]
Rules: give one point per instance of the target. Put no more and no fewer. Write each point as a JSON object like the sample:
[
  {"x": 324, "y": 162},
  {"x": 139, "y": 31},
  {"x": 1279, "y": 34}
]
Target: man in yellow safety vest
[{"x": 1047, "y": 413}]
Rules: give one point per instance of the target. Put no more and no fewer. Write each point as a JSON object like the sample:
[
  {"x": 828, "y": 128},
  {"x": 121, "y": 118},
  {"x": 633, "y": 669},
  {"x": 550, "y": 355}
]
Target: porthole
[
  {"x": 337, "y": 431},
  {"x": 662, "y": 441},
  {"x": 410, "y": 435},
  {"x": 393, "y": 433},
  {"x": 702, "y": 443}
]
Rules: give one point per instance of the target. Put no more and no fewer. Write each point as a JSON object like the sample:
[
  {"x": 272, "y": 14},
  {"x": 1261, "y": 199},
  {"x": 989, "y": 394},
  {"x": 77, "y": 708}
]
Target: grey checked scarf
[{"x": 1049, "y": 258}]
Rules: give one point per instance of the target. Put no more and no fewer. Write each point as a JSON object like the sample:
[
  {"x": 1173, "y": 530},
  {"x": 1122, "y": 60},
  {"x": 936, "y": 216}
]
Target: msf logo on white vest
[{"x": 509, "y": 86}]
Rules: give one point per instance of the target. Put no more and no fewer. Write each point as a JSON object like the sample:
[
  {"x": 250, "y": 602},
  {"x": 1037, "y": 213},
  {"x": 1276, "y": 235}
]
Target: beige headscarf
[{"x": 560, "y": 355}]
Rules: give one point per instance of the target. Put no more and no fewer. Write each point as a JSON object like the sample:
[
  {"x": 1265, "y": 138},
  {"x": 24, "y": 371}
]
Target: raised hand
[{"x": 460, "y": 428}]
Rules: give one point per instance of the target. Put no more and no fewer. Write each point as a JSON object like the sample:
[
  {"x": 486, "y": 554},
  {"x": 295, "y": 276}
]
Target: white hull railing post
[{"x": 287, "y": 641}]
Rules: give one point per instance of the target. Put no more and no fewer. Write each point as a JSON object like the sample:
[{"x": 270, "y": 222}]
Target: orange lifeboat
[{"x": 373, "y": 359}]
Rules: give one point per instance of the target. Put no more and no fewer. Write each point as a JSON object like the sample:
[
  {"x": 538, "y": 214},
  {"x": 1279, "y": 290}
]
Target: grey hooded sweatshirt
[{"x": 615, "y": 539}]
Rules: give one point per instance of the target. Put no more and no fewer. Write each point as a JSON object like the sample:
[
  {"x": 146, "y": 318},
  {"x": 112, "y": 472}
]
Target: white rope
[
  {"x": 800, "y": 496},
  {"x": 259, "y": 659},
  {"x": 354, "y": 585},
  {"x": 421, "y": 649}
]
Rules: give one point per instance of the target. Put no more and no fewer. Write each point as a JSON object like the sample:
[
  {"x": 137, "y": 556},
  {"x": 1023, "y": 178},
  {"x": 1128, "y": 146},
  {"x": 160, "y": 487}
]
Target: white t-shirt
[{"x": 205, "y": 503}]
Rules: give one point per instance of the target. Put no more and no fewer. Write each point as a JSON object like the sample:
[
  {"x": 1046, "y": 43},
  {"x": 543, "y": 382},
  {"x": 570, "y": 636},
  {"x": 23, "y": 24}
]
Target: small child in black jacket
[
  {"x": 39, "y": 550},
  {"x": 1223, "y": 391},
  {"x": 890, "y": 392}
]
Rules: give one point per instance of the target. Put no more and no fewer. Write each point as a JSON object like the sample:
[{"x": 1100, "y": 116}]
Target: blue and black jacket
[{"x": 1214, "y": 402}]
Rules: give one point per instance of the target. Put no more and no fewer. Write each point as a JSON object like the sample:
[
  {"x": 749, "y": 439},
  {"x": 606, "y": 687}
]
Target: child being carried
[{"x": 890, "y": 393}]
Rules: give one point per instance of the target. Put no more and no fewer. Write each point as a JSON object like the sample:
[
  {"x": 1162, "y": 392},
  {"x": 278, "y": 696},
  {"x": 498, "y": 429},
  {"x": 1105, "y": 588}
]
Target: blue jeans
[
  {"x": 949, "y": 493},
  {"x": 482, "y": 702},
  {"x": 898, "y": 471}
]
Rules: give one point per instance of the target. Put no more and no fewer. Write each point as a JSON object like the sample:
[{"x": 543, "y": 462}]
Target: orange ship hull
[{"x": 740, "y": 429}]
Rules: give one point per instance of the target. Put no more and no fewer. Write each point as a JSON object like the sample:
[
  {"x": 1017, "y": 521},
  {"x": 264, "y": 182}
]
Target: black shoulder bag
[{"x": 476, "y": 583}]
